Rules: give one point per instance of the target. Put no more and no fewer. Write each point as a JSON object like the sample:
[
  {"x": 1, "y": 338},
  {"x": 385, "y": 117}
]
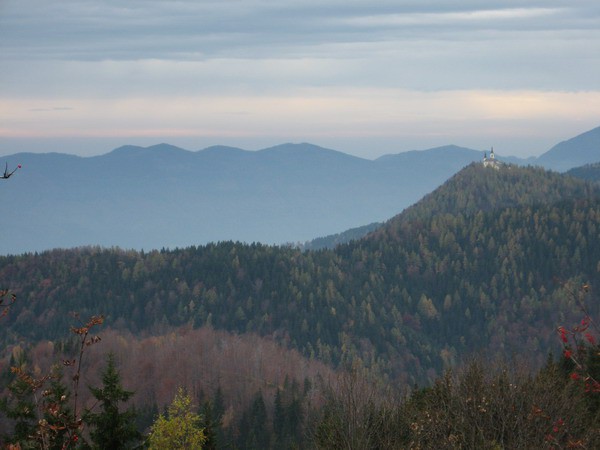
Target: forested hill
[
  {"x": 477, "y": 189},
  {"x": 473, "y": 266},
  {"x": 479, "y": 264},
  {"x": 589, "y": 172}
]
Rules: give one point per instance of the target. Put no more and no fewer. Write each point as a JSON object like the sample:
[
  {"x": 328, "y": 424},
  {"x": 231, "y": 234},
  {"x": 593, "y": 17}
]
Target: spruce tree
[
  {"x": 111, "y": 428},
  {"x": 19, "y": 405},
  {"x": 253, "y": 425},
  {"x": 209, "y": 425}
]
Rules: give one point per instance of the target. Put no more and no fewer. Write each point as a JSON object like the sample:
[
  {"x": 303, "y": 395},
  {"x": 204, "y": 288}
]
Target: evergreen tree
[
  {"x": 218, "y": 409},
  {"x": 111, "y": 428},
  {"x": 253, "y": 426},
  {"x": 279, "y": 418},
  {"x": 19, "y": 404},
  {"x": 288, "y": 416},
  {"x": 210, "y": 425},
  {"x": 212, "y": 417},
  {"x": 218, "y": 404}
]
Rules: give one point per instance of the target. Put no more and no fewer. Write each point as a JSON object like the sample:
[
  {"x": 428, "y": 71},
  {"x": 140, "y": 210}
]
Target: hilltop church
[{"x": 491, "y": 161}]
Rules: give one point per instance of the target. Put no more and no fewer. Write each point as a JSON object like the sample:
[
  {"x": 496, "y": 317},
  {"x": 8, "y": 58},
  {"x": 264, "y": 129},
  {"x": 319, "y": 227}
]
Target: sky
[{"x": 365, "y": 77}]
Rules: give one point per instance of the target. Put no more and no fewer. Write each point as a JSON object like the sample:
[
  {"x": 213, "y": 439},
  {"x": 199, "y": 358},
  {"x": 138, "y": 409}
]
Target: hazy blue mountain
[
  {"x": 165, "y": 196},
  {"x": 436, "y": 155},
  {"x": 574, "y": 152}
]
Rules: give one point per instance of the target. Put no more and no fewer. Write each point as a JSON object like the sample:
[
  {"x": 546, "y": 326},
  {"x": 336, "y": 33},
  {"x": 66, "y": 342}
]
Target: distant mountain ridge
[{"x": 165, "y": 196}]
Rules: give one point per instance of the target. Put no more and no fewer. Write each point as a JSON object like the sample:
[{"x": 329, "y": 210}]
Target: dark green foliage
[
  {"x": 253, "y": 432},
  {"x": 218, "y": 405},
  {"x": 210, "y": 425},
  {"x": 38, "y": 408},
  {"x": 212, "y": 417},
  {"x": 20, "y": 408},
  {"x": 111, "y": 428},
  {"x": 279, "y": 418},
  {"x": 145, "y": 415},
  {"x": 19, "y": 405},
  {"x": 288, "y": 416}
]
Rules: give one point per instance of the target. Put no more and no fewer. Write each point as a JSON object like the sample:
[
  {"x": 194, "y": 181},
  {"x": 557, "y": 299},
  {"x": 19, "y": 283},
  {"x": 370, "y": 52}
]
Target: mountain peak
[
  {"x": 305, "y": 152},
  {"x": 291, "y": 148},
  {"x": 162, "y": 147},
  {"x": 577, "y": 151},
  {"x": 477, "y": 188},
  {"x": 136, "y": 150},
  {"x": 221, "y": 150}
]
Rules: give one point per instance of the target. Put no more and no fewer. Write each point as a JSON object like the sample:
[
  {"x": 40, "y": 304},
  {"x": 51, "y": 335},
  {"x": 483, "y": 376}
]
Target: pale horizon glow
[{"x": 363, "y": 78}]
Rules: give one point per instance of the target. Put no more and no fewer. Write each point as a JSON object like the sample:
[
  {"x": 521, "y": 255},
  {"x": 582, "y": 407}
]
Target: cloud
[
  {"x": 196, "y": 30},
  {"x": 259, "y": 44},
  {"x": 479, "y": 18},
  {"x": 312, "y": 112},
  {"x": 297, "y": 67}
]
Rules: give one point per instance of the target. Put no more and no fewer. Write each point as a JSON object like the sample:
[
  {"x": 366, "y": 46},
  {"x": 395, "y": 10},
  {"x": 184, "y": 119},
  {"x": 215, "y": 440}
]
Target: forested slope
[
  {"x": 476, "y": 265},
  {"x": 589, "y": 172}
]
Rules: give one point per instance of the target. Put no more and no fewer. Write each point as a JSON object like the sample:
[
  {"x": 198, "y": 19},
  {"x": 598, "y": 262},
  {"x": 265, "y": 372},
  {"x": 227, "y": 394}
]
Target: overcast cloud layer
[{"x": 360, "y": 76}]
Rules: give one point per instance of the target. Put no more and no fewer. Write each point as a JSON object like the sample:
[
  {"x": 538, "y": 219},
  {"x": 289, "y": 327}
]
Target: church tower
[{"x": 491, "y": 161}]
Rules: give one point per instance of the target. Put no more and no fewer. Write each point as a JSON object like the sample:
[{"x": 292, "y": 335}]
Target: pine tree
[{"x": 111, "y": 428}]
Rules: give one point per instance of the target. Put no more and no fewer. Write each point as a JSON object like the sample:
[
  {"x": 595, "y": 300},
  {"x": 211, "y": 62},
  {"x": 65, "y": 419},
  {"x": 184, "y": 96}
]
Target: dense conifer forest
[{"x": 489, "y": 264}]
